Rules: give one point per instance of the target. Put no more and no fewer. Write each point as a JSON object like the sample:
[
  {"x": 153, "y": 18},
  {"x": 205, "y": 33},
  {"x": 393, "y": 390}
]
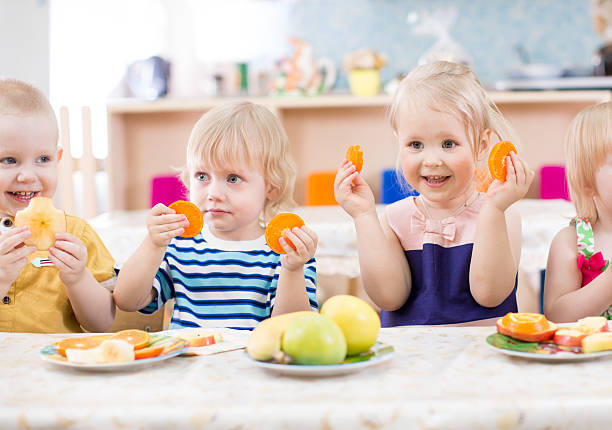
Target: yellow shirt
[{"x": 37, "y": 301}]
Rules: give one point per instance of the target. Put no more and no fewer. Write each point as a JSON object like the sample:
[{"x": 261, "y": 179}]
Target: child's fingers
[
  {"x": 63, "y": 260},
  {"x": 17, "y": 254},
  {"x": 77, "y": 250},
  {"x": 344, "y": 173},
  {"x": 301, "y": 240},
  {"x": 13, "y": 238},
  {"x": 160, "y": 209}
]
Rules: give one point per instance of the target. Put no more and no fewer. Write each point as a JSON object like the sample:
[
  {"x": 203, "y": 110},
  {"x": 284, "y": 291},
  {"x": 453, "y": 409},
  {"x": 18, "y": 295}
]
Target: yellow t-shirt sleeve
[{"x": 99, "y": 260}]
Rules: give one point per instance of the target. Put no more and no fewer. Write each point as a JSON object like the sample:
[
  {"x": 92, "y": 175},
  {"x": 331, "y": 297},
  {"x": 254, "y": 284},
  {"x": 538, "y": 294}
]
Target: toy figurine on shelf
[{"x": 302, "y": 74}]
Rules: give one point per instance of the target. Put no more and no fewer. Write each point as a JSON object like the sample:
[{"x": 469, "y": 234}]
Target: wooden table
[{"x": 439, "y": 378}]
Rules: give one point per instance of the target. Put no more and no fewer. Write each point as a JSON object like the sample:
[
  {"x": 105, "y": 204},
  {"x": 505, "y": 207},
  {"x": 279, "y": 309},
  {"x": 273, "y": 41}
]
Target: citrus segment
[
  {"x": 87, "y": 342},
  {"x": 497, "y": 159},
  {"x": 43, "y": 221},
  {"x": 354, "y": 154},
  {"x": 278, "y": 227},
  {"x": 138, "y": 338},
  {"x": 150, "y": 352},
  {"x": 526, "y": 326},
  {"x": 193, "y": 214}
]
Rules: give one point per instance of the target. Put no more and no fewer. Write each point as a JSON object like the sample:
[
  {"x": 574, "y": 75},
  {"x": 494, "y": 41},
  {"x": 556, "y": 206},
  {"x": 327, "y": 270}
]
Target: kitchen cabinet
[{"x": 148, "y": 139}]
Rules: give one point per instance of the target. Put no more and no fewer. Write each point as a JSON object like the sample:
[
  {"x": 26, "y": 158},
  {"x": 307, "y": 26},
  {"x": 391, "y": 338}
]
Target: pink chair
[
  {"x": 553, "y": 183},
  {"x": 167, "y": 189}
]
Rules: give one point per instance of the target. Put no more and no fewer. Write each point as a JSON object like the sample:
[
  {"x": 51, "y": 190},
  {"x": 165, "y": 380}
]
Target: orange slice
[
  {"x": 278, "y": 227},
  {"x": 150, "y": 352},
  {"x": 43, "y": 221},
  {"x": 497, "y": 159},
  {"x": 193, "y": 214},
  {"x": 354, "y": 154},
  {"x": 526, "y": 326},
  {"x": 138, "y": 338},
  {"x": 87, "y": 342}
]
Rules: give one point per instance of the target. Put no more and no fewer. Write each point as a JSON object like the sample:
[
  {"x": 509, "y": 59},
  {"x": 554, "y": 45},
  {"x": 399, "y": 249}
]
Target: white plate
[
  {"x": 321, "y": 370},
  {"x": 174, "y": 347},
  {"x": 559, "y": 357}
]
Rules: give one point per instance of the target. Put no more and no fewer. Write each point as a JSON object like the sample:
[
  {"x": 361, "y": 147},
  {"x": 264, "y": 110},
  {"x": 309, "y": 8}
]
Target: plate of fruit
[
  {"x": 127, "y": 349},
  {"x": 341, "y": 339},
  {"x": 532, "y": 336}
]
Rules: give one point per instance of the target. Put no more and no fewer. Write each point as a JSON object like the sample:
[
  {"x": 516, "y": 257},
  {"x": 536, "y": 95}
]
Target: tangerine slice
[
  {"x": 138, "y": 338},
  {"x": 193, "y": 214},
  {"x": 277, "y": 228},
  {"x": 43, "y": 221},
  {"x": 86, "y": 342},
  {"x": 526, "y": 326},
  {"x": 497, "y": 157},
  {"x": 150, "y": 352},
  {"x": 354, "y": 154}
]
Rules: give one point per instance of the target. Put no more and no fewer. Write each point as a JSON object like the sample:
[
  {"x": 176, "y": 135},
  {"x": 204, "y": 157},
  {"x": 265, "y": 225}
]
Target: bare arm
[
  {"x": 564, "y": 299},
  {"x": 133, "y": 289},
  {"x": 384, "y": 268},
  {"x": 291, "y": 293},
  {"x": 497, "y": 245}
]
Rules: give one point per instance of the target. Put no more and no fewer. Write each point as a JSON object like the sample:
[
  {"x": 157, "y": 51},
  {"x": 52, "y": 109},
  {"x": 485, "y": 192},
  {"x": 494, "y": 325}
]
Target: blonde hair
[
  {"x": 587, "y": 144},
  {"x": 454, "y": 89},
  {"x": 20, "y": 99},
  {"x": 249, "y": 133}
]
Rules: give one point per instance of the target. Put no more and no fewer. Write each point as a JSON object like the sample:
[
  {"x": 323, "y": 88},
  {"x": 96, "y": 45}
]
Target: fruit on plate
[
  {"x": 138, "y": 338},
  {"x": 264, "y": 343},
  {"x": 193, "y": 214},
  {"x": 278, "y": 227},
  {"x": 358, "y": 321},
  {"x": 526, "y": 326},
  {"x": 43, "y": 221},
  {"x": 109, "y": 351},
  {"x": 590, "y": 325},
  {"x": 314, "y": 339},
  {"x": 87, "y": 342},
  {"x": 201, "y": 338},
  {"x": 497, "y": 159},
  {"x": 354, "y": 154},
  {"x": 597, "y": 342},
  {"x": 569, "y": 337},
  {"x": 148, "y": 352}
]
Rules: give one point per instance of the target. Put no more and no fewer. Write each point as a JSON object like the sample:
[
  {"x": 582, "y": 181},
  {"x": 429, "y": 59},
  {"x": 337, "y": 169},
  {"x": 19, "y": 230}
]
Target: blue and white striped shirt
[{"x": 220, "y": 283}]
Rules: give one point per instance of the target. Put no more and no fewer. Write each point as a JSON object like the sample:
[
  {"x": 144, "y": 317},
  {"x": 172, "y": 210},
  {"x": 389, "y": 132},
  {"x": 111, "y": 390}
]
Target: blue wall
[{"x": 552, "y": 31}]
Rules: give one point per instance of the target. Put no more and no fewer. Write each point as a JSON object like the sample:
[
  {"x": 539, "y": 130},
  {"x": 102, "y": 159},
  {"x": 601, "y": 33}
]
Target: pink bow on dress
[
  {"x": 591, "y": 267},
  {"x": 444, "y": 228}
]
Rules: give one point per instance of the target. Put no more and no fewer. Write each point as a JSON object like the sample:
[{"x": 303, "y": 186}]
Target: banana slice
[
  {"x": 43, "y": 221},
  {"x": 109, "y": 351}
]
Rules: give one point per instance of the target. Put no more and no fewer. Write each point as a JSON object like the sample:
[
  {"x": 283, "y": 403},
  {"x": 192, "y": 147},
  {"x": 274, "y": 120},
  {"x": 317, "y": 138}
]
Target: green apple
[
  {"x": 358, "y": 321},
  {"x": 314, "y": 339}
]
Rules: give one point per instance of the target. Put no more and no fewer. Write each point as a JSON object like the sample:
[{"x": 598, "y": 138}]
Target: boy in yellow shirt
[{"x": 73, "y": 294}]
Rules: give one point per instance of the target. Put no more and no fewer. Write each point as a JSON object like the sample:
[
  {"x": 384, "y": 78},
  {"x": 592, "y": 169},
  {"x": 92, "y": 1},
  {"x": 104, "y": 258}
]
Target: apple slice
[
  {"x": 43, "y": 221},
  {"x": 590, "y": 325},
  {"x": 204, "y": 338},
  {"x": 569, "y": 337},
  {"x": 597, "y": 342}
]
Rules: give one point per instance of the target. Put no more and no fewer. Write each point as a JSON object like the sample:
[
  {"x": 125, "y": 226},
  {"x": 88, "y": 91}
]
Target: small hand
[
  {"x": 13, "y": 256},
  {"x": 164, "y": 224},
  {"x": 305, "y": 242},
  {"x": 352, "y": 192},
  {"x": 518, "y": 180},
  {"x": 69, "y": 255}
]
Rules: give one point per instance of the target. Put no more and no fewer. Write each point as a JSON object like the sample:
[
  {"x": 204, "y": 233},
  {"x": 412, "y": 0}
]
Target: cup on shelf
[{"x": 364, "y": 82}]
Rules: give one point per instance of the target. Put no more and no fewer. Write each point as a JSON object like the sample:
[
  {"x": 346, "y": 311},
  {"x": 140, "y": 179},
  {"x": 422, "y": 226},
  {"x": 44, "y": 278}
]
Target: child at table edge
[
  {"x": 73, "y": 294},
  {"x": 450, "y": 255},
  {"x": 239, "y": 173},
  {"x": 577, "y": 283}
]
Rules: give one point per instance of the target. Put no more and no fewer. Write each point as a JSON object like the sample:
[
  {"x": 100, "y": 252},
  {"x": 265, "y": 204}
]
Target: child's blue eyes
[
  {"x": 8, "y": 160},
  {"x": 232, "y": 179},
  {"x": 40, "y": 160},
  {"x": 447, "y": 144}
]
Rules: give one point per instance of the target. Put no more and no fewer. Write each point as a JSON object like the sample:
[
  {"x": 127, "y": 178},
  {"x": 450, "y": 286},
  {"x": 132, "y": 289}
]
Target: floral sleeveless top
[{"x": 590, "y": 263}]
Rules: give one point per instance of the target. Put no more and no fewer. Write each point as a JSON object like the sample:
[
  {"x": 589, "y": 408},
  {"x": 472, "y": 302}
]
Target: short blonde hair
[
  {"x": 454, "y": 89},
  {"x": 249, "y": 133},
  {"x": 20, "y": 99},
  {"x": 588, "y": 142}
]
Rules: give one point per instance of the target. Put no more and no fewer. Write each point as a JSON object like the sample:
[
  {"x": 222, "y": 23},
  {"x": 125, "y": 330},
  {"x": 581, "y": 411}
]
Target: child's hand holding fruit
[
  {"x": 13, "y": 256},
  {"x": 287, "y": 234},
  {"x": 181, "y": 218}
]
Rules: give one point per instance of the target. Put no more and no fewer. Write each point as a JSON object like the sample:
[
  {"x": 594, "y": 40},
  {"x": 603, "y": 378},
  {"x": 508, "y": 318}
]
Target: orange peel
[
  {"x": 193, "y": 214},
  {"x": 497, "y": 159},
  {"x": 278, "y": 227}
]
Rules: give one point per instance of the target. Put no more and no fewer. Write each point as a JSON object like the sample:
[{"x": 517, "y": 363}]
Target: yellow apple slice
[
  {"x": 597, "y": 342},
  {"x": 43, "y": 221}
]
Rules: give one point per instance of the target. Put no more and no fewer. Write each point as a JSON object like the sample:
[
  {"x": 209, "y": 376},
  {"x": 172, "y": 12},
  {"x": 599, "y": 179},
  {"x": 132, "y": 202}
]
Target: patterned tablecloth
[
  {"x": 337, "y": 251},
  {"x": 439, "y": 378}
]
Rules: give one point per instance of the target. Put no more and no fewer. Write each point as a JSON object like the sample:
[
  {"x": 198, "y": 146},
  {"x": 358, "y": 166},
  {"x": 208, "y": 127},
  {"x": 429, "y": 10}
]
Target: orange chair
[{"x": 320, "y": 189}]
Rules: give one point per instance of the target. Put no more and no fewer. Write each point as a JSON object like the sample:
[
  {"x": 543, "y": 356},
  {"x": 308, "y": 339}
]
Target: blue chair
[{"x": 394, "y": 187}]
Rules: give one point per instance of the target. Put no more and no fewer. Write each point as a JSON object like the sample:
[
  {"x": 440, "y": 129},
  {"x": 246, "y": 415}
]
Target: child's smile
[{"x": 23, "y": 196}]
